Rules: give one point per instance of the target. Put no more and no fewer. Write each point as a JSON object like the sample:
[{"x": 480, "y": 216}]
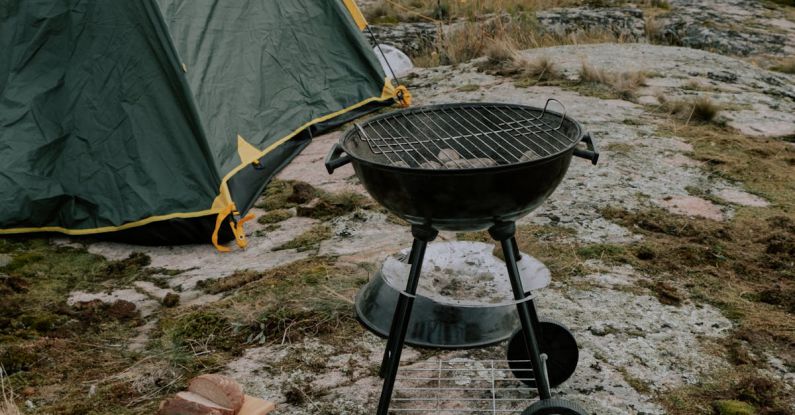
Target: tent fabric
[{"x": 118, "y": 114}]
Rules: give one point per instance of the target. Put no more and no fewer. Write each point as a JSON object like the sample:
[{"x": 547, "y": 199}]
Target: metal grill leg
[
  {"x": 527, "y": 313},
  {"x": 400, "y": 320}
]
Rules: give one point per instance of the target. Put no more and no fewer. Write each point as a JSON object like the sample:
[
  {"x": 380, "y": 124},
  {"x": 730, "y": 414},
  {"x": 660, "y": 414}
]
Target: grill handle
[
  {"x": 592, "y": 153},
  {"x": 335, "y": 158}
]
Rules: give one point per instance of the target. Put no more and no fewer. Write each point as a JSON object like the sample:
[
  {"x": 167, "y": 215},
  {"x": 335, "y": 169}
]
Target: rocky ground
[{"x": 672, "y": 260}]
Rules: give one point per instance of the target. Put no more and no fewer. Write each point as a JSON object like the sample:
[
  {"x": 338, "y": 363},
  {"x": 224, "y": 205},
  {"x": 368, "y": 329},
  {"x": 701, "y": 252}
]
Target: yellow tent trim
[
  {"x": 389, "y": 92},
  {"x": 104, "y": 229},
  {"x": 247, "y": 152},
  {"x": 356, "y": 13}
]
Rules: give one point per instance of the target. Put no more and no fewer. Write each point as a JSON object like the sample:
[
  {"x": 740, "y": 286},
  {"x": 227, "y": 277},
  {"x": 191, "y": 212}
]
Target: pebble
[
  {"x": 448, "y": 155},
  {"x": 528, "y": 156},
  {"x": 430, "y": 165}
]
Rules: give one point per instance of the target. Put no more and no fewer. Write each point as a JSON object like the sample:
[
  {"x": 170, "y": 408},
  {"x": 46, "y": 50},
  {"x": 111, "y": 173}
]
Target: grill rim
[{"x": 352, "y": 133}]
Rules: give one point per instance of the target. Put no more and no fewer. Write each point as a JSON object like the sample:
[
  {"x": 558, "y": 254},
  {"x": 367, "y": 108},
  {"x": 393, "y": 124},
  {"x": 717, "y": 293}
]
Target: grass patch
[
  {"x": 730, "y": 393},
  {"x": 275, "y": 216},
  {"x": 785, "y": 66},
  {"x": 311, "y": 297},
  {"x": 54, "y": 350},
  {"x": 310, "y": 271},
  {"x": 311, "y": 202},
  {"x": 721, "y": 263},
  {"x": 538, "y": 71},
  {"x": 555, "y": 246},
  {"x": 619, "y": 148},
  {"x": 763, "y": 165},
  {"x": 8, "y": 404},
  {"x": 696, "y": 110},
  {"x": 694, "y": 85},
  {"x": 394, "y": 11},
  {"x": 308, "y": 240},
  {"x": 497, "y": 37},
  {"x": 637, "y": 384},
  {"x": 468, "y": 88},
  {"x": 609, "y": 85}
]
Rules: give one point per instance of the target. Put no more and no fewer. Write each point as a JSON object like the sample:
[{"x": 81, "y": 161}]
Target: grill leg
[
  {"x": 400, "y": 320},
  {"x": 505, "y": 233}
]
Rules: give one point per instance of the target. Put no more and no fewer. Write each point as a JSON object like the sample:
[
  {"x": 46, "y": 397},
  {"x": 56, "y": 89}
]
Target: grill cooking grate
[
  {"x": 460, "y": 386},
  {"x": 466, "y": 136}
]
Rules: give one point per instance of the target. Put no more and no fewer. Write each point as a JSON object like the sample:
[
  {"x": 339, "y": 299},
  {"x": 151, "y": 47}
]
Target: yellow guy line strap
[
  {"x": 403, "y": 96},
  {"x": 237, "y": 228},
  {"x": 356, "y": 13}
]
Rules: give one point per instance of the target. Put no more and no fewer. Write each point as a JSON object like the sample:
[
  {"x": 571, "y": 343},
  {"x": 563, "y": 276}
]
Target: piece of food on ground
[
  {"x": 220, "y": 389},
  {"x": 189, "y": 403},
  {"x": 256, "y": 406}
]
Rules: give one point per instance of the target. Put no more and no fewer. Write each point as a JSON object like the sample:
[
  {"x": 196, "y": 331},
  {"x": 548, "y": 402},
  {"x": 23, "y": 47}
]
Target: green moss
[
  {"x": 468, "y": 88},
  {"x": 275, "y": 216},
  {"x": 310, "y": 202},
  {"x": 331, "y": 205},
  {"x": 619, "y": 148},
  {"x": 603, "y": 252},
  {"x": 308, "y": 240},
  {"x": 284, "y": 194},
  {"x": 636, "y": 383},
  {"x": 731, "y": 407},
  {"x": 203, "y": 327}
]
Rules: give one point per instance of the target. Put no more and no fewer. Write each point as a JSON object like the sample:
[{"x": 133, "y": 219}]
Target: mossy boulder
[{"x": 732, "y": 407}]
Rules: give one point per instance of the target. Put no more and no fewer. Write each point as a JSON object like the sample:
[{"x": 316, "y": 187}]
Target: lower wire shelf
[{"x": 460, "y": 386}]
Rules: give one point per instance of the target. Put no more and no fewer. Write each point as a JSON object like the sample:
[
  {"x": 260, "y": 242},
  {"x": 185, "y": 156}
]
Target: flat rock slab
[
  {"x": 365, "y": 236},
  {"x": 693, "y": 206},
  {"x": 742, "y": 198}
]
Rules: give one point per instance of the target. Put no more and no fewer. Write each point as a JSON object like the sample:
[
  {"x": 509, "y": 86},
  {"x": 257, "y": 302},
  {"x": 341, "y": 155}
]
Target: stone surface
[
  {"x": 692, "y": 206},
  {"x": 625, "y": 23},
  {"x": 735, "y": 27},
  {"x": 365, "y": 236},
  {"x": 308, "y": 167},
  {"x": 741, "y": 198},
  {"x": 411, "y": 38}
]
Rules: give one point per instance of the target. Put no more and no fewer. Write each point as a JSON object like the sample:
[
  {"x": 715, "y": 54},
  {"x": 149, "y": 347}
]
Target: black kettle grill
[{"x": 470, "y": 167}]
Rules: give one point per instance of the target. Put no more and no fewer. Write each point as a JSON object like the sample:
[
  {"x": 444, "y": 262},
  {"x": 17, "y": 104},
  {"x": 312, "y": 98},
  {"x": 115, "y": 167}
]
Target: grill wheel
[
  {"x": 554, "y": 407},
  {"x": 560, "y": 347}
]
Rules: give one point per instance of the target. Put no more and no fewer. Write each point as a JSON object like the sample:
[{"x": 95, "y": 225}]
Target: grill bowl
[{"x": 460, "y": 199}]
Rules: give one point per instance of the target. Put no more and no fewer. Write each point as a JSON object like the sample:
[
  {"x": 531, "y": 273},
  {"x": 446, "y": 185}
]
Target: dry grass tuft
[
  {"x": 7, "y": 404},
  {"x": 620, "y": 85},
  {"x": 393, "y": 11},
  {"x": 699, "y": 110},
  {"x": 541, "y": 69},
  {"x": 500, "y": 51},
  {"x": 785, "y": 66},
  {"x": 474, "y": 39}
]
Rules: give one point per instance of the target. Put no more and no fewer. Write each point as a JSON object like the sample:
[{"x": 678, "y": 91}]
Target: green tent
[{"x": 161, "y": 121}]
